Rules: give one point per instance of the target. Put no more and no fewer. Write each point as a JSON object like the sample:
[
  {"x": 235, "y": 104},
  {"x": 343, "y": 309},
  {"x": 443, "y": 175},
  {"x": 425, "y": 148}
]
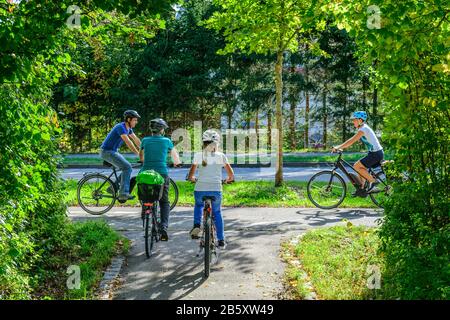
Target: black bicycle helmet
[
  {"x": 158, "y": 124},
  {"x": 131, "y": 114}
]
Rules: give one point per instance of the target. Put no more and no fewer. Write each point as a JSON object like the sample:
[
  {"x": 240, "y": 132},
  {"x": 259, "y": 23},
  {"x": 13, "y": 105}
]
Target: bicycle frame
[
  {"x": 207, "y": 212},
  {"x": 340, "y": 164}
]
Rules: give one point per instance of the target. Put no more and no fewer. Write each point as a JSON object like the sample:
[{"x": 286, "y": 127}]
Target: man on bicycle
[
  {"x": 375, "y": 153},
  {"x": 120, "y": 133},
  {"x": 153, "y": 154}
]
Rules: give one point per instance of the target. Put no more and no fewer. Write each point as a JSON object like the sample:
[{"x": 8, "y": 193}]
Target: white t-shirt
[
  {"x": 370, "y": 139},
  {"x": 209, "y": 177}
]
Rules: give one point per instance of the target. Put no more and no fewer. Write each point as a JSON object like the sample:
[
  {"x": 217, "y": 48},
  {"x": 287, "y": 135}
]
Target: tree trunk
[
  {"x": 292, "y": 122},
  {"x": 269, "y": 129},
  {"x": 344, "y": 114},
  {"x": 257, "y": 129},
  {"x": 325, "y": 118},
  {"x": 375, "y": 108},
  {"x": 279, "y": 117},
  {"x": 306, "y": 111}
]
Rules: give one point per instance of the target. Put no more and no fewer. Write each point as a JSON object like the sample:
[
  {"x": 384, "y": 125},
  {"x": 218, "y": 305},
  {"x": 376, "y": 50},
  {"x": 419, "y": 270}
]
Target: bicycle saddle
[
  {"x": 212, "y": 198},
  {"x": 107, "y": 164}
]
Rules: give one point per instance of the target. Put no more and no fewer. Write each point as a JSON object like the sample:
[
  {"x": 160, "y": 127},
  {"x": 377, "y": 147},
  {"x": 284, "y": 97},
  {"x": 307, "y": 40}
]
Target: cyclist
[
  {"x": 153, "y": 154},
  {"x": 120, "y": 133},
  {"x": 209, "y": 182},
  {"x": 375, "y": 155}
]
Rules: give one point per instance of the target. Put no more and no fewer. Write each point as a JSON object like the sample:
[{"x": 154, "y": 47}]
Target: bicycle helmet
[
  {"x": 359, "y": 115},
  {"x": 131, "y": 114},
  {"x": 158, "y": 124},
  {"x": 210, "y": 135}
]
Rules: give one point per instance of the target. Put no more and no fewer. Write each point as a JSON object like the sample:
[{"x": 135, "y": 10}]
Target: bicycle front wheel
[
  {"x": 208, "y": 243},
  {"x": 96, "y": 194},
  {"x": 173, "y": 194},
  {"x": 326, "y": 189}
]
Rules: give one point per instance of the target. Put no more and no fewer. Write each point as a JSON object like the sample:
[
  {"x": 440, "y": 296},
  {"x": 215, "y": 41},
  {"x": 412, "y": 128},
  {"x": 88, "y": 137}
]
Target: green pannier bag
[
  {"x": 149, "y": 177},
  {"x": 150, "y": 185}
]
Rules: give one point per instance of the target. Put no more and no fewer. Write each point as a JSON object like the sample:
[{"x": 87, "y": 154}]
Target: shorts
[{"x": 372, "y": 159}]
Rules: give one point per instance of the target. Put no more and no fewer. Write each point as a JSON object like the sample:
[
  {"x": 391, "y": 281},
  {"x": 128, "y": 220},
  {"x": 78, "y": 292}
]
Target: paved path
[{"x": 249, "y": 268}]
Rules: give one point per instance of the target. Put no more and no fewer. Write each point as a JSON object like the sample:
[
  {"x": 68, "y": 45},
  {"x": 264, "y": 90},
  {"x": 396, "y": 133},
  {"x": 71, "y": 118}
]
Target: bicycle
[
  {"x": 327, "y": 189},
  {"x": 149, "y": 196},
  {"x": 97, "y": 192},
  {"x": 208, "y": 241}
]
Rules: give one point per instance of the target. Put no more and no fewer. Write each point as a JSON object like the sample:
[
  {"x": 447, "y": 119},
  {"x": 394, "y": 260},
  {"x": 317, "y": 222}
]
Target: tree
[{"x": 265, "y": 27}]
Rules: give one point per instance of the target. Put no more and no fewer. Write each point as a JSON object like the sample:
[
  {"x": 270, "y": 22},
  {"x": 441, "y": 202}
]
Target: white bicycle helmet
[{"x": 211, "y": 135}]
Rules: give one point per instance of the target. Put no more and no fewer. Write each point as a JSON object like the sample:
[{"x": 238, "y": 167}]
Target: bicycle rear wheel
[
  {"x": 326, "y": 189},
  {"x": 208, "y": 242},
  {"x": 148, "y": 236},
  {"x": 173, "y": 194},
  {"x": 385, "y": 190},
  {"x": 96, "y": 194}
]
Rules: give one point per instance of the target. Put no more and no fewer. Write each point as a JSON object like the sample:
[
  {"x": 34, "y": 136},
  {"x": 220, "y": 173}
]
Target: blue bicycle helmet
[{"x": 359, "y": 115}]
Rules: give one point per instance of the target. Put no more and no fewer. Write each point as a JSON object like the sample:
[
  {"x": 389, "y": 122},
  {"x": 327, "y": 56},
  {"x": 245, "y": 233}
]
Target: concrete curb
[{"x": 110, "y": 277}]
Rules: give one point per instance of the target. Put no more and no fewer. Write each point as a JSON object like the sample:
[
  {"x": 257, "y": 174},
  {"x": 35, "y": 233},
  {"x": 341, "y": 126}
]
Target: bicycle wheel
[
  {"x": 326, "y": 189},
  {"x": 385, "y": 190},
  {"x": 96, "y": 194},
  {"x": 173, "y": 194},
  {"x": 207, "y": 233},
  {"x": 148, "y": 238}
]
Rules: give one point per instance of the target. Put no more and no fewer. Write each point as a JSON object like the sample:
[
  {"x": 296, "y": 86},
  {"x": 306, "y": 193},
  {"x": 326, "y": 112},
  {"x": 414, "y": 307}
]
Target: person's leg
[
  {"x": 164, "y": 203},
  {"x": 364, "y": 174},
  {"x": 198, "y": 207},
  {"x": 217, "y": 211},
  {"x": 117, "y": 160}
]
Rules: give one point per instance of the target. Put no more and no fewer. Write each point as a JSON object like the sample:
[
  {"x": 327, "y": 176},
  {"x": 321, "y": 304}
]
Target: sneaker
[
  {"x": 372, "y": 187},
  {"x": 222, "y": 244},
  {"x": 195, "y": 232},
  {"x": 164, "y": 235},
  {"x": 125, "y": 197},
  {"x": 360, "y": 193}
]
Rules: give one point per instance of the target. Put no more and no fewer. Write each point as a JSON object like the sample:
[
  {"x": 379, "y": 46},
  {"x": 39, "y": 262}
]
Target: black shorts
[{"x": 373, "y": 159}]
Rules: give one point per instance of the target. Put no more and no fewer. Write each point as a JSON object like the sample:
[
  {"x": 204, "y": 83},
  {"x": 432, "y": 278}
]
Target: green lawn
[
  {"x": 90, "y": 246},
  {"x": 335, "y": 261},
  {"x": 247, "y": 194}
]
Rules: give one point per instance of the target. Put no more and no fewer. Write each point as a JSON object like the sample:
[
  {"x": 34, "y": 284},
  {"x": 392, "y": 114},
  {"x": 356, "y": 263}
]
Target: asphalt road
[{"x": 249, "y": 268}]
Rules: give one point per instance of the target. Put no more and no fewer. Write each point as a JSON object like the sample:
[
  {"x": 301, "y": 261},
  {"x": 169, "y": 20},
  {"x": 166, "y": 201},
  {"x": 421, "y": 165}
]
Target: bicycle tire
[
  {"x": 387, "y": 188},
  {"x": 148, "y": 246},
  {"x": 325, "y": 173},
  {"x": 174, "y": 187},
  {"x": 84, "y": 181},
  {"x": 207, "y": 233}
]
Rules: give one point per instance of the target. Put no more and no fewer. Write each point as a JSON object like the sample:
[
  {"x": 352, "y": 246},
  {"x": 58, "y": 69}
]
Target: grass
[
  {"x": 334, "y": 261},
  {"x": 90, "y": 246},
  {"x": 246, "y": 194}
]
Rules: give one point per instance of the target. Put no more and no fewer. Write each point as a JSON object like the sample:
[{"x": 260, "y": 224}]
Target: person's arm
[
  {"x": 230, "y": 172},
  {"x": 350, "y": 141},
  {"x": 136, "y": 140},
  {"x": 175, "y": 156},
  {"x": 141, "y": 155},
  {"x": 191, "y": 173},
  {"x": 130, "y": 144}
]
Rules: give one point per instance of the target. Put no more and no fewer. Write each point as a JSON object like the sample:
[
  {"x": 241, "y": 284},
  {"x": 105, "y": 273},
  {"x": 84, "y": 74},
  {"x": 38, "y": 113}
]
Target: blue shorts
[{"x": 372, "y": 159}]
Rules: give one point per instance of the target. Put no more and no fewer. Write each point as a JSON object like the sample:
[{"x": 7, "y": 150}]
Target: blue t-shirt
[
  {"x": 156, "y": 149},
  {"x": 114, "y": 140}
]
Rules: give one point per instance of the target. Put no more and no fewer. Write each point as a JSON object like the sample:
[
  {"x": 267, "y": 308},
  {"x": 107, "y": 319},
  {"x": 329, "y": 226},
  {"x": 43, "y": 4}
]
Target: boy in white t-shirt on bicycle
[
  {"x": 374, "y": 157},
  {"x": 209, "y": 182}
]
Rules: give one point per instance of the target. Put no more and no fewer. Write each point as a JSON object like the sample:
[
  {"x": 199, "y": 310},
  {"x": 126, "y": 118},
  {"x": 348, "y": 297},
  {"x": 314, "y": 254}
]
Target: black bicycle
[
  {"x": 97, "y": 192},
  {"x": 327, "y": 189},
  {"x": 149, "y": 196},
  {"x": 208, "y": 241}
]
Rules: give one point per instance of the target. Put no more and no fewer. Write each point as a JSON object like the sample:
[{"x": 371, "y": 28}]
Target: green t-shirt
[{"x": 156, "y": 149}]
